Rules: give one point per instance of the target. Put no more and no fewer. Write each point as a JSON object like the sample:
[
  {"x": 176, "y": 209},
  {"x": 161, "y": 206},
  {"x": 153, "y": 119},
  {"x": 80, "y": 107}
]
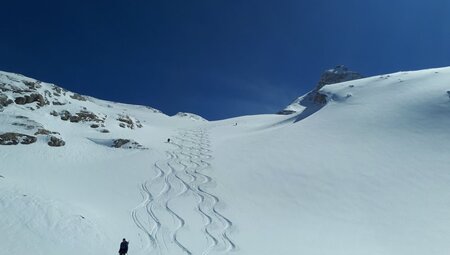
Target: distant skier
[
  {"x": 168, "y": 140},
  {"x": 123, "y": 247}
]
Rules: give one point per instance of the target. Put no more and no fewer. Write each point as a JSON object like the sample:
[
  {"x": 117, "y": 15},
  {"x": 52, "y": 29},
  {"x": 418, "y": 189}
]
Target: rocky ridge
[
  {"x": 314, "y": 98},
  {"x": 35, "y": 100}
]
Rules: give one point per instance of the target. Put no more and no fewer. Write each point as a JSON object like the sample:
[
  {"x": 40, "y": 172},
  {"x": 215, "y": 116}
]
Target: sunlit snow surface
[{"x": 369, "y": 173}]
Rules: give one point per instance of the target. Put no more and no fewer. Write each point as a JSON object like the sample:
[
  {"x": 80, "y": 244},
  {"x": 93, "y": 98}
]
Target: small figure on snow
[
  {"x": 123, "y": 247},
  {"x": 168, "y": 140}
]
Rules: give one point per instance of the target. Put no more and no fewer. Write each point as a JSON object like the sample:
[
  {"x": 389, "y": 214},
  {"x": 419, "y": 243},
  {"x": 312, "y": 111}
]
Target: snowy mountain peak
[
  {"x": 314, "y": 100},
  {"x": 336, "y": 75}
]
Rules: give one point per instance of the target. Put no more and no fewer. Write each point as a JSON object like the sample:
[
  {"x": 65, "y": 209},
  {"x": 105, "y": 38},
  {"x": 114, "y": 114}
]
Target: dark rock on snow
[
  {"x": 56, "y": 142},
  {"x": 78, "y": 97},
  {"x": 28, "y": 99},
  {"x": 126, "y": 144},
  {"x": 5, "y": 101},
  {"x": 65, "y": 115},
  {"x": 126, "y": 121},
  {"x": 336, "y": 75},
  {"x": 85, "y": 116},
  {"x": 120, "y": 142},
  {"x": 12, "y": 138},
  {"x": 42, "y": 131}
]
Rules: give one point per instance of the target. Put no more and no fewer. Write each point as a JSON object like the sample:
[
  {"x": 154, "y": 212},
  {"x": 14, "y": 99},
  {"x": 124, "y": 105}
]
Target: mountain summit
[
  {"x": 315, "y": 99},
  {"x": 336, "y": 75}
]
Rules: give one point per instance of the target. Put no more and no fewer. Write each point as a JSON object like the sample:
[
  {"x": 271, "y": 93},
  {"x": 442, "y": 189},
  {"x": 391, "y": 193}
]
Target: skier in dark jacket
[{"x": 123, "y": 247}]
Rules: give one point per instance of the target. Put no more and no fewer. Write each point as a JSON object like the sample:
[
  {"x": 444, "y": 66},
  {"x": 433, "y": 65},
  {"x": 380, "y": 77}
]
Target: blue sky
[{"x": 216, "y": 58}]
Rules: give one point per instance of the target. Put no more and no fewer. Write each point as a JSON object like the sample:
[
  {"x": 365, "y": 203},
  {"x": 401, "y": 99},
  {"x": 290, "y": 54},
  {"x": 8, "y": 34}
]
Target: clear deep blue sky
[{"x": 216, "y": 58}]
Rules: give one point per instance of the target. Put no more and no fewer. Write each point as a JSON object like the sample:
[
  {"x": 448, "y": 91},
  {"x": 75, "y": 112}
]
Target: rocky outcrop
[
  {"x": 28, "y": 99},
  {"x": 25, "y": 131},
  {"x": 316, "y": 100},
  {"x": 12, "y": 138},
  {"x": 336, "y": 75},
  {"x": 125, "y": 121},
  {"x": 55, "y": 141},
  {"x": 58, "y": 91},
  {"x": 85, "y": 116},
  {"x": 118, "y": 143},
  {"x": 78, "y": 97},
  {"x": 126, "y": 144},
  {"x": 65, "y": 115},
  {"x": 23, "y": 91},
  {"x": 42, "y": 131},
  {"x": 27, "y": 94},
  {"x": 82, "y": 116},
  {"x": 33, "y": 85},
  {"x": 58, "y": 103},
  {"x": 5, "y": 101}
]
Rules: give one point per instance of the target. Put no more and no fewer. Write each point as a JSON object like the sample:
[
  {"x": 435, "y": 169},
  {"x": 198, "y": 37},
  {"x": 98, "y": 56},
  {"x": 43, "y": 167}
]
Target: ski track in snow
[{"x": 189, "y": 160}]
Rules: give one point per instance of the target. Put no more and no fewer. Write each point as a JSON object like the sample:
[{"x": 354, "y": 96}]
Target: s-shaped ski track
[{"x": 183, "y": 177}]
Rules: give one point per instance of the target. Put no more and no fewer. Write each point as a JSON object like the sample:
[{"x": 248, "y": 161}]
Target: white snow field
[{"x": 368, "y": 173}]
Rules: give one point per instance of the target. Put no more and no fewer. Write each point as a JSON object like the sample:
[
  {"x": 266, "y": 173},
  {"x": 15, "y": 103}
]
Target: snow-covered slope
[{"x": 367, "y": 173}]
